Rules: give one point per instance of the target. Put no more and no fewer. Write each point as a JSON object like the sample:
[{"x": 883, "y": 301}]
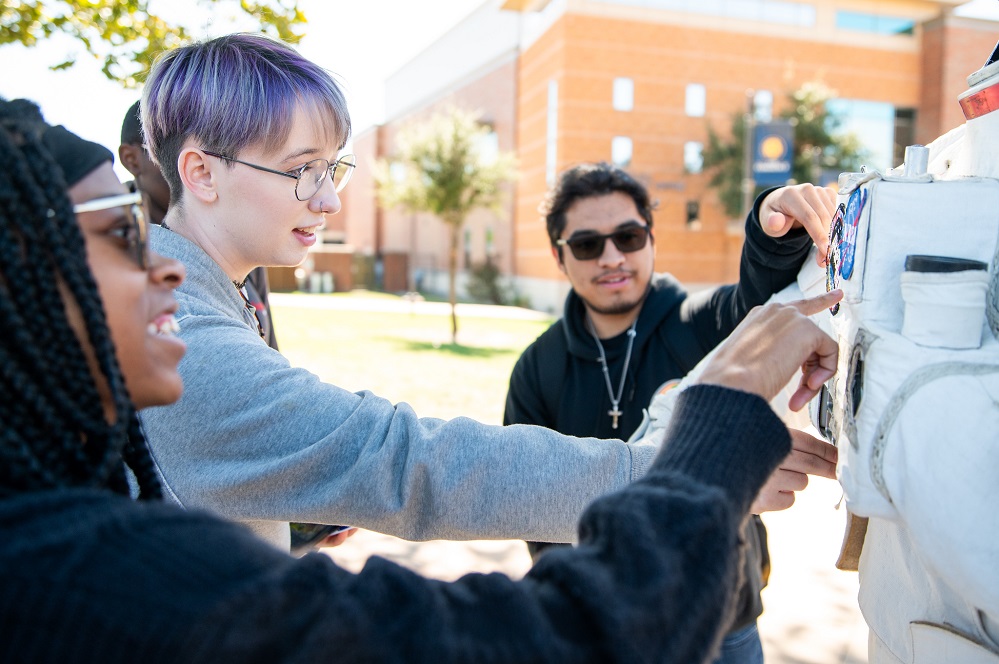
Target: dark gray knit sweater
[{"x": 86, "y": 576}]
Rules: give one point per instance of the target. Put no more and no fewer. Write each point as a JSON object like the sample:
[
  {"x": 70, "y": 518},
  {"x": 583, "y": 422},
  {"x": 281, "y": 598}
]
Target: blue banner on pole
[{"x": 773, "y": 152}]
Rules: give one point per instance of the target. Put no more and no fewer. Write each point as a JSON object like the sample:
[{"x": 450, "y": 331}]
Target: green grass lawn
[{"x": 408, "y": 357}]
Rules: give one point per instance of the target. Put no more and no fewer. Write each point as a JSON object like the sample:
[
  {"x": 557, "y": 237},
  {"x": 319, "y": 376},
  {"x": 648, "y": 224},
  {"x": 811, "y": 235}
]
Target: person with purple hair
[
  {"x": 249, "y": 135},
  {"x": 148, "y": 181}
]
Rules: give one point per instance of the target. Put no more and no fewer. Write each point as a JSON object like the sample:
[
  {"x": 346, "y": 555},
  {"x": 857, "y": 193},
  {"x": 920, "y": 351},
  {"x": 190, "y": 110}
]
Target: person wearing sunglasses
[{"x": 625, "y": 331}]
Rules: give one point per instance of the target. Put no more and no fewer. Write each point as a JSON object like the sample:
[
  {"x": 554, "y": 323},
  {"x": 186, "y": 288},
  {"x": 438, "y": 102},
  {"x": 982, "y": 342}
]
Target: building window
[
  {"x": 488, "y": 148},
  {"x": 693, "y": 157},
  {"x": 772, "y": 11},
  {"x": 905, "y": 133},
  {"x": 397, "y": 171},
  {"x": 872, "y": 123},
  {"x": 763, "y": 106},
  {"x": 467, "y": 247},
  {"x": 788, "y": 13},
  {"x": 696, "y": 100},
  {"x": 551, "y": 140},
  {"x": 882, "y": 25},
  {"x": 693, "y": 210},
  {"x": 624, "y": 94},
  {"x": 621, "y": 151},
  {"x": 490, "y": 243}
]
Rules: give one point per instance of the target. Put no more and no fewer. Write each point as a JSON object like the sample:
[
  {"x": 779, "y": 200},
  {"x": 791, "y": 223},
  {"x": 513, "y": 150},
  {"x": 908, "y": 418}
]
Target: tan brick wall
[
  {"x": 585, "y": 53},
  {"x": 662, "y": 52}
]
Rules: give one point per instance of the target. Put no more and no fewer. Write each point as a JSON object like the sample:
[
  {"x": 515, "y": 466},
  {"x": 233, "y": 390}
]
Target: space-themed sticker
[{"x": 851, "y": 219}]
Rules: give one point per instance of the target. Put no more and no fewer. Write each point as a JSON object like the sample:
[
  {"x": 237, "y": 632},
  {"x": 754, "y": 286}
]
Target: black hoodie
[{"x": 558, "y": 382}]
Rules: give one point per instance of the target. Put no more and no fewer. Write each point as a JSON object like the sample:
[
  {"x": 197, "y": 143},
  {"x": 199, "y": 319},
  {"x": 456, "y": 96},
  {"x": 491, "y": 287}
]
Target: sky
[{"x": 362, "y": 42}]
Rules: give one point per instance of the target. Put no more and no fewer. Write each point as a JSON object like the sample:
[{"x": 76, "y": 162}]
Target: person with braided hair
[
  {"x": 43, "y": 369},
  {"x": 89, "y": 574}
]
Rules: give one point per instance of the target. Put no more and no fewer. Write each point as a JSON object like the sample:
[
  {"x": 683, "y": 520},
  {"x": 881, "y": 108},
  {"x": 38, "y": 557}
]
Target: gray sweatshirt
[{"x": 256, "y": 440}]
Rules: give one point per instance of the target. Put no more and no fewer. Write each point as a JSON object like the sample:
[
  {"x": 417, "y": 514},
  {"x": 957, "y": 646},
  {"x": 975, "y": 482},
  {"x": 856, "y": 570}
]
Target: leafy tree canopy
[
  {"x": 818, "y": 145},
  {"x": 125, "y": 34},
  {"x": 441, "y": 167}
]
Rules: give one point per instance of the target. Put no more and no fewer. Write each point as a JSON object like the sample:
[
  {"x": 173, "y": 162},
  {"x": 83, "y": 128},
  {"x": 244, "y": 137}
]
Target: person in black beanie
[
  {"x": 88, "y": 574},
  {"x": 76, "y": 157}
]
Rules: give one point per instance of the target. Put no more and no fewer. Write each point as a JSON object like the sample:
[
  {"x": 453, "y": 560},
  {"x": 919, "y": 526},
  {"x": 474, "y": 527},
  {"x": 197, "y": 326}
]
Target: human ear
[
  {"x": 557, "y": 255},
  {"x": 196, "y": 174},
  {"x": 128, "y": 155}
]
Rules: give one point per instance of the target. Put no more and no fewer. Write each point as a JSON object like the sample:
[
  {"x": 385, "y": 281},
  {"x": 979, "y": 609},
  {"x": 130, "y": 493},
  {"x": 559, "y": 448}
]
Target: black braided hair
[{"x": 53, "y": 431}]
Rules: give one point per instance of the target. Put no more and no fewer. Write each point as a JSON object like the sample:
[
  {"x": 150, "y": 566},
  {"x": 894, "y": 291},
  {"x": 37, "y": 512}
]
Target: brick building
[{"x": 638, "y": 82}]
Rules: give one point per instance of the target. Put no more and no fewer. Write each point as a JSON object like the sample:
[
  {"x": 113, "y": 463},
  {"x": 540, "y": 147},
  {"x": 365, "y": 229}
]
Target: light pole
[{"x": 748, "y": 181}]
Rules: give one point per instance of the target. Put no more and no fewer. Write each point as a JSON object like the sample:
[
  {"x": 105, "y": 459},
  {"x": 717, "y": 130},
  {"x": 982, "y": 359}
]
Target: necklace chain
[
  {"x": 614, "y": 412},
  {"x": 250, "y": 307}
]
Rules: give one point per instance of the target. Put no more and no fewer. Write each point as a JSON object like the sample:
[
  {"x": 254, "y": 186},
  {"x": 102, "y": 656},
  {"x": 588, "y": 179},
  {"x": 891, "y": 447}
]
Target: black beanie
[{"x": 76, "y": 156}]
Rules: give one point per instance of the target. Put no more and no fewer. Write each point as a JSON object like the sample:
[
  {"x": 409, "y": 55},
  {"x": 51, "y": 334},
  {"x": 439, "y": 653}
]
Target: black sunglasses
[{"x": 587, "y": 246}]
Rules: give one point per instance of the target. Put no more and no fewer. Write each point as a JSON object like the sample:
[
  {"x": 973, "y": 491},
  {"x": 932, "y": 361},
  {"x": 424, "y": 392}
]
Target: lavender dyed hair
[{"x": 231, "y": 93}]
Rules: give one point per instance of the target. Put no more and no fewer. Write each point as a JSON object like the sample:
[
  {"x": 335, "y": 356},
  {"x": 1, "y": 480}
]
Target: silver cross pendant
[{"x": 614, "y": 413}]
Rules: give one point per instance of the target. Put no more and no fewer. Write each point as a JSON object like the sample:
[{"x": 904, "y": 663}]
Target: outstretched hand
[
  {"x": 773, "y": 342},
  {"x": 800, "y": 206},
  {"x": 809, "y": 456}
]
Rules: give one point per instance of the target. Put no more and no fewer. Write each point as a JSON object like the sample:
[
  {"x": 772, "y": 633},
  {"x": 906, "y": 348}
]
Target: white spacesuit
[
  {"x": 914, "y": 407},
  {"x": 929, "y": 567}
]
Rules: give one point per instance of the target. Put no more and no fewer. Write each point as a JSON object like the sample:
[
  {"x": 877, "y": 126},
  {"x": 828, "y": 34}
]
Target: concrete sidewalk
[{"x": 810, "y": 607}]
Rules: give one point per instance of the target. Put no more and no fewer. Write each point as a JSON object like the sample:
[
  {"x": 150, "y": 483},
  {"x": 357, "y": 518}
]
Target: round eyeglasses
[
  {"x": 310, "y": 176},
  {"x": 137, "y": 231}
]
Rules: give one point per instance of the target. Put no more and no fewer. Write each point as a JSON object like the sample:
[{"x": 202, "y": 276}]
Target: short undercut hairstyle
[
  {"x": 587, "y": 181},
  {"x": 231, "y": 93}
]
